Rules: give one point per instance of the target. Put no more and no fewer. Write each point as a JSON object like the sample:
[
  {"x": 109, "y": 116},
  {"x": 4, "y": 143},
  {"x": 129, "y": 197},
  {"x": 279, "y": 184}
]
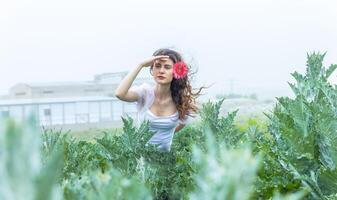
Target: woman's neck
[{"x": 163, "y": 92}]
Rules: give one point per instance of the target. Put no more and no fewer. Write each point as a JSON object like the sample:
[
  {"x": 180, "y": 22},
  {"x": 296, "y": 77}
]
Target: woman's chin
[{"x": 162, "y": 82}]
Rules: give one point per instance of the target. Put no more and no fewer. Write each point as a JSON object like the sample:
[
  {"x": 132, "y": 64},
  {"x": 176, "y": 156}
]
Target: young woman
[{"x": 166, "y": 104}]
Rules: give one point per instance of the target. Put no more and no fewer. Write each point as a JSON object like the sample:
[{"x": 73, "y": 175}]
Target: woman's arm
[{"x": 122, "y": 92}]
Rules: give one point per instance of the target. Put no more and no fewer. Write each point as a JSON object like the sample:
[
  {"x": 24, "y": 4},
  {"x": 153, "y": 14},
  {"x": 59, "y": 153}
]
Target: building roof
[
  {"x": 11, "y": 102},
  {"x": 77, "y": 83},
  {"x": 53, "y": 84}
]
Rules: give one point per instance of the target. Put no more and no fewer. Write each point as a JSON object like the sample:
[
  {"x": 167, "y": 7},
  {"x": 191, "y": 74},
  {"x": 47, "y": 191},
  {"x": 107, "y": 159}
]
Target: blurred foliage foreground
[{"x": 294, "y": 157}]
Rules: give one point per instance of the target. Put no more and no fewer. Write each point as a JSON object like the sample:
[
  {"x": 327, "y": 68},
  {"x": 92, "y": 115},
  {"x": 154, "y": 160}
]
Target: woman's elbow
[
  {"x": 179, "y": 127},
  {"x": 118, "y": 94}
]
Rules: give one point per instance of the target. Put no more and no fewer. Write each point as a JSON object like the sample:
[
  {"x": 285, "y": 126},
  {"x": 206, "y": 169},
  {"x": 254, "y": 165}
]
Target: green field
[{"x": 289, "y": 152}]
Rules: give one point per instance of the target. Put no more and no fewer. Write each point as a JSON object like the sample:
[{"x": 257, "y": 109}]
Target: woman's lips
[{"x": 161, "y": 77}]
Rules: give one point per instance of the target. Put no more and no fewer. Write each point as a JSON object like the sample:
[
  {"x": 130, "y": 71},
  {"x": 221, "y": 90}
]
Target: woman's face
[{"x": 163, "y": 71}]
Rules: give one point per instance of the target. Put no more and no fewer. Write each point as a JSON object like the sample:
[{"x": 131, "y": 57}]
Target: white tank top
[{"x": 162, "y": 126}]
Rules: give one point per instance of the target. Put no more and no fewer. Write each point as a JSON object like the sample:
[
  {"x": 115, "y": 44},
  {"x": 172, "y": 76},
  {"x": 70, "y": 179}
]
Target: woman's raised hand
[{"x": 149, "y": 62}]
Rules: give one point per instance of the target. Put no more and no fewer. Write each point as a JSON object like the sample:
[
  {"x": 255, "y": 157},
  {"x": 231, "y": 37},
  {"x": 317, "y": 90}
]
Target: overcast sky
[{"x": 243, "y": 46}]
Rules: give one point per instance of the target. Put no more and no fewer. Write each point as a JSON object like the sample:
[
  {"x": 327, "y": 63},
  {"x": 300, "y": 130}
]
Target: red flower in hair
[{"x": 179, "y": 70}]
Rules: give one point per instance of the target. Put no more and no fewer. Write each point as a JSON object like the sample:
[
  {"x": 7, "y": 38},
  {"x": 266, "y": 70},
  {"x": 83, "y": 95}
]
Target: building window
[
  {"x": 47, "y": 112},
  {"x": 105, "y": 110},
  {"x": 93, "y": 90},
  {"x": 56, "y": 113},
  {"x": 30, "y": 110},
  {"x": 4, "y": 114},
  {"x": 20, "y": 93},
  {"x": 69, "y": 113},
  {"x": 16, "y": 112},
  {"x": 48, "y": 92},
  {"x": 117, "y": 107},
  {"x": 45, "y": 119},
  {"x": 94, "y": 112}
]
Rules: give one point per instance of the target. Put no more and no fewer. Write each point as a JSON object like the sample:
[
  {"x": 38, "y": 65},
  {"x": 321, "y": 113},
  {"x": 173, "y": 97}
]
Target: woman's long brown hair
[{"x": 181, "y": 89}]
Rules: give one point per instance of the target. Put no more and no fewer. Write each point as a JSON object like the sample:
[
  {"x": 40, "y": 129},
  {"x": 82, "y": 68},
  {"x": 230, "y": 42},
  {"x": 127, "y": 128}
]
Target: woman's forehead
[{"x": 164, "y": 61}]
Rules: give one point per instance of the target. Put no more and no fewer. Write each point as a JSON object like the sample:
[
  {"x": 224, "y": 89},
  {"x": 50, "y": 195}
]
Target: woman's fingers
[
  {"x": 150, "y": 62},
  {"x": 160, "y": 57}
]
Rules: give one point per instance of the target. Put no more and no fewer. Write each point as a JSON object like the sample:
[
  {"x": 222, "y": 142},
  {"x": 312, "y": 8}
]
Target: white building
[{"x": 74, "y": 105}]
